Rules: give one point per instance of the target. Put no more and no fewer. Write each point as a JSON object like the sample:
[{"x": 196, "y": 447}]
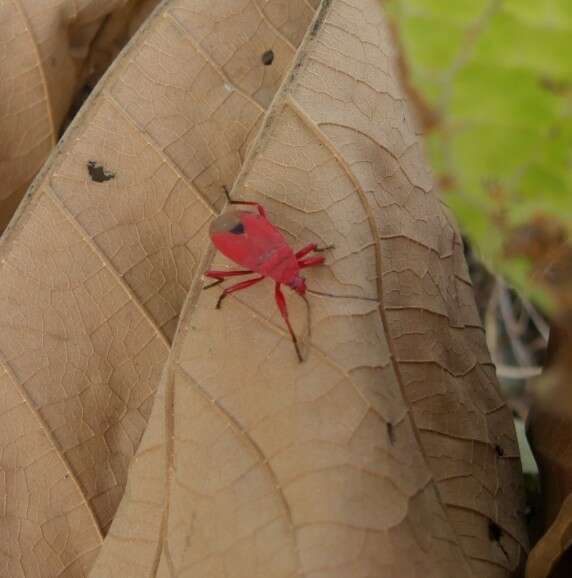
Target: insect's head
[
  {"x": 229, "y": 222},
  {"x": 298, "y": 284}
]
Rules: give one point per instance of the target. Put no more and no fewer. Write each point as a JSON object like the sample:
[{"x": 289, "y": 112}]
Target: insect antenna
[
  {"x": 309, "y": 309},
  {"x": 324, "y": 294}
]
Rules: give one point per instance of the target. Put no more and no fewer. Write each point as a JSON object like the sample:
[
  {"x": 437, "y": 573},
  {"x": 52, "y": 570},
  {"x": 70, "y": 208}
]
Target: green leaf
[{"x": 500, "y": 76}]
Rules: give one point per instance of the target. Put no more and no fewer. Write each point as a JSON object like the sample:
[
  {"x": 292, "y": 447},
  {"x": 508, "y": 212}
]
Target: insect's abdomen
[{"x": 280, "y": 264}]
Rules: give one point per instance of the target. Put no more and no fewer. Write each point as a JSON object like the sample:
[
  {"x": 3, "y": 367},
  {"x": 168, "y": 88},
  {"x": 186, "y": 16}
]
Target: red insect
[{"x": 251, "y": 240}]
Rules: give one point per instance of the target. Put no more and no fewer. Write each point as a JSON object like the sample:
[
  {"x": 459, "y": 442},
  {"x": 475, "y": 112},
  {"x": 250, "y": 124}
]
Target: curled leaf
[
  {"x": 389, "y": 452},
  {"x": 44, "y": 60},
  {"x": 95, "y": 270}
]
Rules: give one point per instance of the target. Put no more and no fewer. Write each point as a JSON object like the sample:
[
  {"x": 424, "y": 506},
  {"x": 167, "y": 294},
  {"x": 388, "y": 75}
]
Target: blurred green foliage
[{"x": 498, "y": 74}]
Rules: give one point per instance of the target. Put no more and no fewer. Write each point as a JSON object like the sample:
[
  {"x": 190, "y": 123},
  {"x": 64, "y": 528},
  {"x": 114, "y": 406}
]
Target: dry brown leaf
[
  {"x": 112, "y": 36},
  {"x": 549, "y": 430},
  {"x": 95, "y": 269},
  {"x": 546, "y": 243},
  {"x": 545, "y": 556},
  {"x": 389, "y": 452},
  {"x": 550, "y": 434},
  {"x": 43, "y": 47}
]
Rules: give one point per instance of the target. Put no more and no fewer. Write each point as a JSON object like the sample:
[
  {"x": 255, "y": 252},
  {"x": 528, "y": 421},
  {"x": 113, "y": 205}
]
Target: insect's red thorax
[{"x": 253, "y": 242}]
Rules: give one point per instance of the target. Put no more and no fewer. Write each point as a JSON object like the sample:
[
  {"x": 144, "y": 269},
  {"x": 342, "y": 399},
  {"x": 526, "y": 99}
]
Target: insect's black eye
[{"x": 237, "y": 229}]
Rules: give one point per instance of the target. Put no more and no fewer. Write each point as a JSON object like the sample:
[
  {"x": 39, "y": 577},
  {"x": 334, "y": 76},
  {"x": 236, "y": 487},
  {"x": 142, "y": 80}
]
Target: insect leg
[
  {"x": 311, "y": 247},
  {"x": 311, "y": 262},
  {"x": 305, "y": 250},
  {"x": 260, "y": 208},
  {"x": 238, "y": 287},
  {"x": 220, "y": 276},
  {"x": 281, "y": 302}
]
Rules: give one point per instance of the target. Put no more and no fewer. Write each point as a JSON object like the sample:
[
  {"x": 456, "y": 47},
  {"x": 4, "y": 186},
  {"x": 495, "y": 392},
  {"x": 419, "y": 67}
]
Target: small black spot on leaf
[
  {"x": 268, "y": 58},
  {"x": 237, "y": 229},
  {"x": 98, "y": 174},
  {"x": 495, "y": 535},
  {"x": 495, "y": 531},
  {"x": 391, "y": 432}
]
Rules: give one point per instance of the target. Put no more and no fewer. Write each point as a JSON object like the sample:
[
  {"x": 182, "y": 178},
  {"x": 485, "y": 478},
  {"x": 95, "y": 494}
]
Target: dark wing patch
[
  {"x": 237, "y": 229},
  {"x": 225, "y": 223}
]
